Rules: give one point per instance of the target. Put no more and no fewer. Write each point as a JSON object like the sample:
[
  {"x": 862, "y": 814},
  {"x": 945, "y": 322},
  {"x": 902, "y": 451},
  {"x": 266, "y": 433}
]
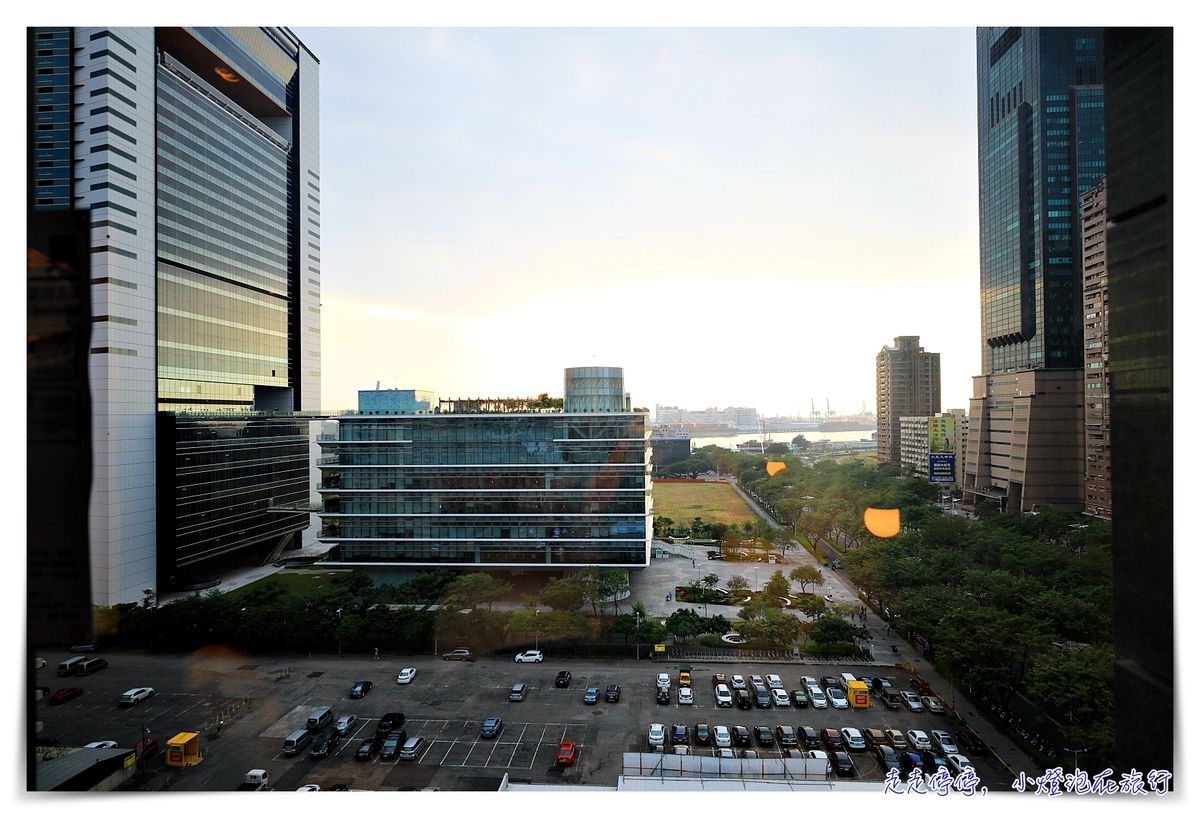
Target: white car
[
  {"x": 100, "y": 745},
  {"x": 657, "y": 735},
  {"x": 721, "y": 736},
  {"x": 918, "y": 740},
  {"x": 738, "y": 682},
  {"x": 809, "y": 681},
  {"x": 781, "y": 698},
  {"x": 682, "y": 750},
  {"x": 911, "y": 701},
  {"x": 345, "y": 724},
  {"x": 943, "y": 742},
  {"x": 309, "y": 788},
  {"x": 664, "y": 680},
  {"x": 958, "y": 763},
  {"x": 530, "y": 656},
  {"x": 724, "y": 752},
  {"x": 853, "y": 738},
  {"x": 756, "y": 681},
  {"x": 774, "y": 682},
  {"x": 837, "y": 698},
  {"x": 824, "y": 755},
  {"x": 406, "y": 675},
  {"x": 724, "y": 697},
  {"x": 817, "y": 698},
  {"x": 685, "y": 695},
  {"x": 138, "y": 694}
]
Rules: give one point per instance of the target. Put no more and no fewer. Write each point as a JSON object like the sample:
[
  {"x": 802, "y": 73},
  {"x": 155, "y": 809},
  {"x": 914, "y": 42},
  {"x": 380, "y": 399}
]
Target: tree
[
  {"x": 830, "y": 630},
  {"x": 807, "y": 575},
  {"x": 613, "y": 584},
  {"x": 811, "y": 606},
  {"x": 562, "y": 594},
  {"x": 736, "y": 584},
  {"x": 778, "y": 449},
  {"x": 776, "y": 589},
  {"x": 710, "y": 580},
  {"x": 472, "y": 590},
  {"x": 801, "y": 442},
  {"x": 685, "y": 623}
]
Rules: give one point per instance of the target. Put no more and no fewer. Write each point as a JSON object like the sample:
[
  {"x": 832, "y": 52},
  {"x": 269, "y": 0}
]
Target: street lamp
[
  {"x": 637, "y": 645},
  {"x": 535, "y": 629}
]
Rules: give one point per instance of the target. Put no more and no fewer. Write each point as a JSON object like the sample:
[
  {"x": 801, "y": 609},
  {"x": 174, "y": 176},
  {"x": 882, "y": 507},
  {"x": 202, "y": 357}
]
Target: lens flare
[
  {"x": 882, "y": 522},
  {"x": 775, "y": 468}
]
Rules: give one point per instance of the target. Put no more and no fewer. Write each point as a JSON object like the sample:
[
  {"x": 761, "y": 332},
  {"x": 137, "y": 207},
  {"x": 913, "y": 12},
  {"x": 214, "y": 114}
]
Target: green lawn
[
  {"x": 712, "y": 502},
  {"x": 297, "y": 580}
]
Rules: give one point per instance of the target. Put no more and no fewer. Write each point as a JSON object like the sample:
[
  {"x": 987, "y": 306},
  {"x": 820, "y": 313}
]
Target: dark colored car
[
  {"x": 882, "y": 684},
  {"x": 360, "y": 689},
  {"x": 145, "y": 749},
  {"x": 799, "y": 698},
  {"x": 742, "y": 697},
  {"x": 491, "y": 727},
  {"x": 388, "y": 723},
  {"x": 324, "y": 744},
  {"x": 810, "y": 738},
  {"x": 462, "y": 654},
  {"x": 874, "y": 737},
  {"x": 832, "y": 738},
  {"x": 787, "y": 736},
  {"x": 86, "y": 647},
  {"x": 764, "y": 736},
  {"x": 762, "y": 697},
  {"x": 64, "y": 694},
  {"x": 933, "y": 760},
  {"x": 910, "y": 761},
  {"x": 664, "y": 695},
  {"x": 842, "y": 763},
  {"x": 612, "y": 693},
  {"x": 392, "y": 744},
  {"x": 679, "y": 734},
  {"x": 971, "y": 742},
  {"x": 828, "y": 682},
  {"x": 921, "y": 686},
  {"x": 888, "y": 759},
  {"x": 367, "y": 750},
  {"x": 563, "y": 679},
  {"x": 741, "y": 736},
  {"x": 892, "y": 698},
  {"x": 702, "y": 734}
]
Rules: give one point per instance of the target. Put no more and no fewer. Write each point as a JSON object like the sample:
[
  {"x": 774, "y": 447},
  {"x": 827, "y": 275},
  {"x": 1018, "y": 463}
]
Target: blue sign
[{"x": 941, "y": 468}]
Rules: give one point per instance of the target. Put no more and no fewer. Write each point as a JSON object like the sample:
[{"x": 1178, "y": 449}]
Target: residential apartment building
[
  {"x": 195, "y": 151},
  {"x": 946, "y": 435},
  {"x": 1096, "y": 384},
  {"x": 1041, "y": 146},
  {"x": 908, "y": 383}
]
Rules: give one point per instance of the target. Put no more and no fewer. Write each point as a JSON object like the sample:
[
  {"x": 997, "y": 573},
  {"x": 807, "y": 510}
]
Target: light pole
[
  {"x": 339, "y": 613},
  {"x": 535, "y": 628},
  {"x": 637, "y": 645}
]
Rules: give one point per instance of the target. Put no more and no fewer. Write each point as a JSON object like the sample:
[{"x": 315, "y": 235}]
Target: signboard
[
  {"x": 941, "y": 435},
  {"x": 941, "y": 468}
]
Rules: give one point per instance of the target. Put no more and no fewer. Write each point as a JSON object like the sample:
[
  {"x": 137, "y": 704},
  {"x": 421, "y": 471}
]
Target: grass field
[
  {"x": 712, "y": 502},
  {"x": 298, "y": 581}
]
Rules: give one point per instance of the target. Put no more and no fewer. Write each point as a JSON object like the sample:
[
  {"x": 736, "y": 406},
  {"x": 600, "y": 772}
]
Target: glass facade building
[
  {"x": 552, "y": 489},
  {"x": 196, "y": 153}
]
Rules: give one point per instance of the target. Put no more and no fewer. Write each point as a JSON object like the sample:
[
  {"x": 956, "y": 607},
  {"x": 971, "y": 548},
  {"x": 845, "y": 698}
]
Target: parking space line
[
  {"x": 538, "y": 746},
  {"x": 517, "y": 745}
]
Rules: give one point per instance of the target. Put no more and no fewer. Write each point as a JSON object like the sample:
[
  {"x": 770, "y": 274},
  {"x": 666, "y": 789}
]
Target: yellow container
[{"x": 857, "y": 693}]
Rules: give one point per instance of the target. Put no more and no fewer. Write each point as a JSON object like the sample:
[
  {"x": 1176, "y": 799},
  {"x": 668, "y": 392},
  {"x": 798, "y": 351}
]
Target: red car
[
  {"x": 566, "y": 753},
  {"x": 145, "y": 749},
  {"x": 921, "y": 686},
  {"x": 832, "y": 738},
  {"x": 65, "y": 694}
]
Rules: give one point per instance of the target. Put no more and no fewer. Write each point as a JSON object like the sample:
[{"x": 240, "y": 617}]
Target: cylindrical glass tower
[{"x": 594, "y": 389}]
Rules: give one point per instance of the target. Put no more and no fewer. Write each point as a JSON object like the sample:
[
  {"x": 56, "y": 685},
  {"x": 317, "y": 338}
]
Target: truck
[
  {"x": 685, "y": 675},
  {"x": 254, "y": 780}
]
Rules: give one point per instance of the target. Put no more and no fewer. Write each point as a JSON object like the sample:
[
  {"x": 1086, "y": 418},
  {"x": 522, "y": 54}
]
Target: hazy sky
[{"x": 735, "y": 216}]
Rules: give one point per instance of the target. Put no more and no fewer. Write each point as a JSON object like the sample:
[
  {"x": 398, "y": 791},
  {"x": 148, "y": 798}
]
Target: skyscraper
[
  {"x": 1041, "y": 144},
  {"x": 197, "y": 154},
  {"x": 908, "y": 383}
]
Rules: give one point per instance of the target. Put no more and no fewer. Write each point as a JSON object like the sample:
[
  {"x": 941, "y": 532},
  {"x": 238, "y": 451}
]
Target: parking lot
[{"x": 446, "y": 704}]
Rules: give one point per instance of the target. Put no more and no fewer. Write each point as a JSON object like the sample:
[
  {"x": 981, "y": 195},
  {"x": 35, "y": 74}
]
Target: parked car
[
  {"x": 492, "y": 726},
  {"x": 138, "y": 694},
  {"x": 529, "y": 656},
  {"x": 933, "y": 704},
  {"x": 685, "y": 678},
  {"x": 392, "y": 744},
  {"x": 809, "y": 681},
  {"x": 86, "y": 647},
  {"x": 828, "y": 682},
  {"x": 881, "y": 684},
  {"x": 738, "y": 682},
  {"x": 810, "y": 738},
  {"x": 324, "y": 744},
  {"x": 368, "y": 748},
  {"x": 875, "y": 737},
  {"x": 918, "y": 740},
  {"x": 774, "y": 682},
  {"x": 566, "y": 753},
  {"x": 462, "y": 654},
  {"x": 780, "y": 698},
  {"x": 719, "y": 679},
  {"x": 64, "y": 694},
  {"x": 360, "y": 689},
  {"x": 663, "y": 696},
  {"x": 757, "y": 681},
  {"x": 817, "y": 698},
  {"x": 663, "y": 680},
  {"x": 888, "y": 759},
  {"x": 910, "y": 761},
  {"x": 942, "y": 742},
  {"x": 685, "y": 695},
  {"x": 786, "y": 736},
  {"x": 742, "y": 697},
  {"x": 702, "y": 734},
  {"x": 723, "y": 696},
  {"x": 970, "y": 742},
  {"x": 389, "y": 722},
  {"x": 799, "y": 698},
  {"x": 406, "y": 675},
  {"x": 412, "y": 748},
  {"x": 679, "y": 734},
  {"x": 591, "y": 695},
  {"x": 892, "y": 699},
  {"x": 819, "y": 754},
  {"x": 518, "y": 692},
  {"x": 748, "y": 754},
  {"x": 725, "y": 752},
  {"x": 764, "y": 736},
  {"x": 912, "y": 701},
  {"x": 612, "y": 693},
  {"x": 896, "y": 739},
  {"x": 921, "y": 686},
  {"x": 345, "y": 724},
  {"x": 958, "y": 763},
  {"x": 741, "y": 736},
  {"x": 853, "y": 738},
  {"x": 657, "y": 735},
  {"x": 837, "y": 698},
  {"x": 145, "y": 749},
  {"x": 721, "y": 736},
  {"x": 933, "y": 760},
  {"x": 100, "y": 745},
  {"x": 843, "y": 764},
  {"x": 563, "y": 679},
  {"x": 832, "y": 738}
]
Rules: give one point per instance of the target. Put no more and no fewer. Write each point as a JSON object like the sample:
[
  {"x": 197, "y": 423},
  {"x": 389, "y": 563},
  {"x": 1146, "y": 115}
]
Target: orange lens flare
[
  {"x": 882, "y": 522},
  {"x": 775, "y": 468}
]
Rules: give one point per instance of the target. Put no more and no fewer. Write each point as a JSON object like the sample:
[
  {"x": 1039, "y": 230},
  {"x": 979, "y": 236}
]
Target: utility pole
[{"x": 637, "y": 645}]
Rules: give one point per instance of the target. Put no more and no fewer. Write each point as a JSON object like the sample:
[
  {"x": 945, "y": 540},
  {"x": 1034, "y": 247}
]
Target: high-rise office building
[
  {"x": 1041, "y": 145},
  {"x": 908, "y": 383},
  {"x": 1097, "y": 467},
  {"x": 196, "y": 152}
]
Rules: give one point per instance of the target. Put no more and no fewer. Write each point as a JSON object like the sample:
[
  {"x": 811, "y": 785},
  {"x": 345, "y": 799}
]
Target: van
[
  {"x": 518, "y": 692},
  {"x": 67, "y": 668},
  {"x": 412, "y": 748},
  {"x": 320, "y": 719},
  {"x": 89, "y": 666},
  {"x": 296, "y": 742},
  {"x": 844, "y": 680}
]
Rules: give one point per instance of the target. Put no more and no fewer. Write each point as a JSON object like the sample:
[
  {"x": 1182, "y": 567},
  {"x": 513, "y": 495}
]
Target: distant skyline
[{"x": 735, "y": 216}]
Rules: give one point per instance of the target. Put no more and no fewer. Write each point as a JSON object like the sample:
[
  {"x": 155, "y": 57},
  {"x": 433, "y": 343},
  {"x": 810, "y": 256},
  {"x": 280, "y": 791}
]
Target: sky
[{"x": 735, "y": 216}]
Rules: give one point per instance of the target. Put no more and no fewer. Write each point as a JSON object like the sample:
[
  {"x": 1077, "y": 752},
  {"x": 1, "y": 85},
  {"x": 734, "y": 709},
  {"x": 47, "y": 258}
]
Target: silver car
[
  {"x": 943, "y": 742},
  {"x": 918, "y": 740},
  {"x": 817, "y": 698},
  {"x": 910, "y": 699},
  {"x": 853, "y": 738},
  {"x": 345, "y": 724}
]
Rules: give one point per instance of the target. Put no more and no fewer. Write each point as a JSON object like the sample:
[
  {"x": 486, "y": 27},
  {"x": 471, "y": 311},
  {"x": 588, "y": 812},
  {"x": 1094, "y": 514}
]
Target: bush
[
  {"x": 834, "y": 649},
  {"x": 712, "y": 640}
]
